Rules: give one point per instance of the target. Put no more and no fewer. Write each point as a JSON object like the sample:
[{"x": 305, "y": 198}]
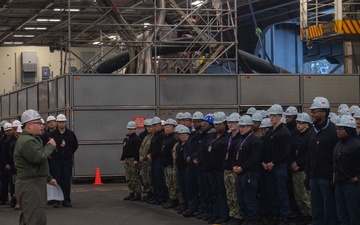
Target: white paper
[{"x": 54, "y": 192}]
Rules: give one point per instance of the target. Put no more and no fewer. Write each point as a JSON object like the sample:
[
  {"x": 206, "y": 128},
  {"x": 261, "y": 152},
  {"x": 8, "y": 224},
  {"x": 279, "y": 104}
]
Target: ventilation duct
[{"x": 29, "y": 67}]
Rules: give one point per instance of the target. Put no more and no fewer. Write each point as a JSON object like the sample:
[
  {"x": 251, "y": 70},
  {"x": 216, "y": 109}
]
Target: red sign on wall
[{"x": 139, "y": 121}]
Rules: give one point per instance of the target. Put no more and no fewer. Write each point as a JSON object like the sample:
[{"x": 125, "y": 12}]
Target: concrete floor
[{"x": 103, "y": 205}]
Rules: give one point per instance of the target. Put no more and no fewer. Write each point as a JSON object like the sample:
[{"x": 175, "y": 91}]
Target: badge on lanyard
[{"x": 209, "y": 148}]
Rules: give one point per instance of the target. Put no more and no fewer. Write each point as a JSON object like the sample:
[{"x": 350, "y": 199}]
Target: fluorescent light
[
  {"x": 13, "y": 43},
  {"x": 47, "y": 20},
  {"x": 112, "y": 37},
  {"x": 61, "y": 10},
  {"x": 197, "y": 2},
  {"x": 96, "y": 43},
  {"x": 35, "y": 28},
  {"x": 24, "y": 35}
]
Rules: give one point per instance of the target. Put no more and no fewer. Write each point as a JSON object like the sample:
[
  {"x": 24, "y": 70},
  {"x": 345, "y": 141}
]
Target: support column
[{"x": 351, "y": 57}]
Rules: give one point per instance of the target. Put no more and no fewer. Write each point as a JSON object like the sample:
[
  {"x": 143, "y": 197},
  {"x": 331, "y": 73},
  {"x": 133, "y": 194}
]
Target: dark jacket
[
  {"x": 300, "y": 148},
  {"x": 319, "y": 163},
  {"x": 230, "y": 150},
  {"x": 193, "y": 144},
  {"x": 346, "y": 159},
  {"x": 131, "y": 147},
  {"x": 11, "y": 157},
  {"x": 277, "y": 144},
  {"x": 156, "y": 144},
  {"x": 66, "y": 144},
  {"x": 247, "y": 153},
  {"x": 143, "y": 134},
  {"x": 180, "y": 161},
  {"x": 292, "y": 128},
  {"x": 45, "y": 137},
  {"x": 166, "y": 151},
  {"x": 214, "y": 150},
  {"x": 199, "y": 155},
  {"x": 2, "y": 152},
  {"x": 7, "y": 157}
]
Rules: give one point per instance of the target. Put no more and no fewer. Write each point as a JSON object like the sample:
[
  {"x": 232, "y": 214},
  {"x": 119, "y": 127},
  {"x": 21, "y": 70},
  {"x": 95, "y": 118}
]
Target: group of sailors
[{"x": 265, "y": 167}]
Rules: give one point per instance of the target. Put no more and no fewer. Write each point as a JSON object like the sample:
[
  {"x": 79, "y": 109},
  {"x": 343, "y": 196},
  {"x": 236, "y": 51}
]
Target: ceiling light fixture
[
  {"x": 13, "y": 43},
  {"x": 35, "y": 28},
  {"x": 47, "y": 20},
  {"x": 61, "y": 10},
  {"x": 24, "y": 35},
  {"x": 197, "y": 2},
  {"x": 96, "y": 43}
]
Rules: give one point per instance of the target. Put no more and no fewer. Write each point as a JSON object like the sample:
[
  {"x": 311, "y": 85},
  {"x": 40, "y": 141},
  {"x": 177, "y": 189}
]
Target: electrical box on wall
[
  {"x": 45, "y": 72},
  {"x": 29, "y": 67}
]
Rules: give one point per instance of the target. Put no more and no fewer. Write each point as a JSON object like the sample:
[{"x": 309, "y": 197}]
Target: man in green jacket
[{"x": 30, "y": 159}]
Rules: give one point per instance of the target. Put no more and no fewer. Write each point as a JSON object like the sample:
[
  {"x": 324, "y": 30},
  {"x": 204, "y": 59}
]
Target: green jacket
[{"x": 30, "y": 157}]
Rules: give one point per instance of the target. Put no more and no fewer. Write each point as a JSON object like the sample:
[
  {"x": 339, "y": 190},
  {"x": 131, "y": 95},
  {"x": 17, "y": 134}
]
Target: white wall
[{"x": 10, "y": 64}]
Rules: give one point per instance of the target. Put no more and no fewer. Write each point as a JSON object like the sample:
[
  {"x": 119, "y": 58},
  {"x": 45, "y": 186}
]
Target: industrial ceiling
[{"x": 30, "y": 22}]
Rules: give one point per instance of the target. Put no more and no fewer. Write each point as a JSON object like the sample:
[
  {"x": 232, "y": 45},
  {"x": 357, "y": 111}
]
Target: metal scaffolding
[{"x": 168, "y": 37}]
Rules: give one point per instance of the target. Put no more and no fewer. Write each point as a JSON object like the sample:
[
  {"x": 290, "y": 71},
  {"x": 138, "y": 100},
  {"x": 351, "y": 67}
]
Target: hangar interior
[{"x": 147, "y": 54}]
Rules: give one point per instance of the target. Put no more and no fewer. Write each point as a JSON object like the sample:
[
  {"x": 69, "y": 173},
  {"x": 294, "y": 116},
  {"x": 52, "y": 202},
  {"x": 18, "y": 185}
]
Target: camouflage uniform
[
  {"x": 130, "y": 155},
  {"x": 178, "y": 194},
  {"x": 229, "y": 180},
  {"x": 132, "y": 175},
  {"x": 302, "y": 196},
  {"x": 170, "y": 182},
  {"x": 145, "y": 166}
]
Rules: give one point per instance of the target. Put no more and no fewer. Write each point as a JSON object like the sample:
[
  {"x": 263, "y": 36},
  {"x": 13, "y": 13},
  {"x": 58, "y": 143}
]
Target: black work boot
[
  {"x": 172, "y": 204},
  {"x": 137, "y": 197},
  {"x": 131, "y": 195}
]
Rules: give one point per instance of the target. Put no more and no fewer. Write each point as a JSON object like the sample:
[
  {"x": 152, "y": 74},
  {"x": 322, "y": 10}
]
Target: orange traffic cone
[{"x": 97, "y": 177}]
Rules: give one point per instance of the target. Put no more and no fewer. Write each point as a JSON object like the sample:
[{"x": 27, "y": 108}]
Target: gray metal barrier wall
[{"x": 99, "y": 106}]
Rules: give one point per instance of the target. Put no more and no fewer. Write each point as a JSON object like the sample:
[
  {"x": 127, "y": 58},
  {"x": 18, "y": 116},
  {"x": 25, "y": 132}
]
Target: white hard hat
[
  {"x": 176, "y": 130},
  {"x": 42, "y": 121},
  {"x": 198, "y": 116},
  {"x": 246, "y": 121},
  {"x": 291, "y": 111},
  {"x": 131, "y": 125},
  {"x": 147, "y": 122},
  {"x": 155, "y": 120},
  {"x": 347, "y": 121},
  {"x": 170, "y": 122},
  {"x": 187, "y": 115},
  {"x": 357, "y": 113},
  {"x": 263, "y": 113},
  {"x": 219, "y": 117},
  {"x": 2, "y": 123},
  {"x": 29, "y": 115},
  {"x": 341, "y": 106},
  {"x": 50, "y": 118},
  {"x": 16, "y": 123},
  {"x": 18, "y": 129},
  {"x": 7, "y": 126},
  {"x": 162, "y": 122},
  {"x": 60, "y": 118},
  {"x": 265, "y": 123},
  {"x": 232, "y": 118},
  {"x": 335, "y": 119},
  {"x": 276, "y": 109},
  {"x": 320, "y": 103},
  {"x": 353, "y": 109},
  {"x": 303, "y": 117},
  {"x": 184, "y": 130},
  {"x": 257, "y": 117},
  {"x": 251, "y": 111},
  {"x": 179, "y": 116},
  {"x": 344, "y": 111}
]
